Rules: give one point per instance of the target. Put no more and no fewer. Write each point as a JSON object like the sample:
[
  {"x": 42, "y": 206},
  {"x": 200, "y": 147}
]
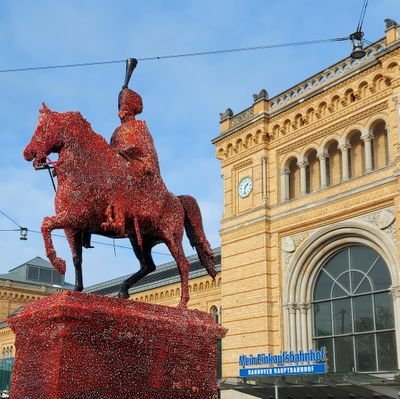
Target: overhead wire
[
  {"x": 99, "y": 242},
  {"x": 181, "y": 55},
  {"x": 11, "y": 219},
  {"x": 62, "y": 236}
]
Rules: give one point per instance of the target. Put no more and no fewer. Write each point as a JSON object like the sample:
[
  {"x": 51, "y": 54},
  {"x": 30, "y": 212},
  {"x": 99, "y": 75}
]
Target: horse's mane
[
  {"x": 75, "y": 121},
  {"x": 78, "y": 126}
]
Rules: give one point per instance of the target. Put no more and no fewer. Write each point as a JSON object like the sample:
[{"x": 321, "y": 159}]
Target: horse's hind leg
[
  {"x": 49, "y": 224},
  {"x": 146, "y": 266},
  {"x": 176, "y": 249},
  {"x": 75, "y": 243}
]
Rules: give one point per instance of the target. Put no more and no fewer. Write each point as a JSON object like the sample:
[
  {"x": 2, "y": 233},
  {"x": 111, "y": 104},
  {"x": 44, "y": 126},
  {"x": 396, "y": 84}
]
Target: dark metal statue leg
[
  {"x": 146, "y": 266},
  {"x": 75, "y": 243}
]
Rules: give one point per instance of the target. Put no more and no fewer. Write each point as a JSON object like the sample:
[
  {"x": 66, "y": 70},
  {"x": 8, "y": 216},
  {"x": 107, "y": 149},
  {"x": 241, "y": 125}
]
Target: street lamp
[{"x": 357, "y": 41}]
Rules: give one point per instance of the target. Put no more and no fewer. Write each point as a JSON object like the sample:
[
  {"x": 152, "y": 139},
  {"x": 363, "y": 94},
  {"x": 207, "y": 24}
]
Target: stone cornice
[
  {"x": 241, "y": 129},
  {"x": 19, "y": 296},
  {"x": 326, "y": 92},
  {"x": 343, "y": 121},
  {"x": 243, "y": 164},
  {"x": 246, "y": 118},
  {"x": 28, "y": 288},
  {"x": 247, "y": 153}
]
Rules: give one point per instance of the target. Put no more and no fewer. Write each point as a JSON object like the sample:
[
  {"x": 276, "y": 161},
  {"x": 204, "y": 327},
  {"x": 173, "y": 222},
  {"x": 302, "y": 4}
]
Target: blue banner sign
[
  {"x": 319, "y": 368},
  {"x": 285, "y": 363}
]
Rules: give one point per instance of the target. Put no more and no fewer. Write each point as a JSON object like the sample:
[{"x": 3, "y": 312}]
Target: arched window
[
  {"x": 333, "y": 164},
  {"x": 215, "y": 314},
  {"x": 353, "y": 312},
  {"x": 380, "y": 145},
  {"x": 356, "y": 159},
  {"x": 312, "y": 172}
]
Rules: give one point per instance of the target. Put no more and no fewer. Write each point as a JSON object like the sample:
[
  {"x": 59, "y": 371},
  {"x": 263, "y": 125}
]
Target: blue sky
[{"x": 182, "y": 97}]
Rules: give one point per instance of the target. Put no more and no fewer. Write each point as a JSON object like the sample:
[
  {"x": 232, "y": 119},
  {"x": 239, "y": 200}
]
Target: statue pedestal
[{"x": 74, "y": 345}]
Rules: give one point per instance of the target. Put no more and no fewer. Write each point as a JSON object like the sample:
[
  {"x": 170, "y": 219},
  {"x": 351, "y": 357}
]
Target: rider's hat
[{"x": 128, "y": 100}]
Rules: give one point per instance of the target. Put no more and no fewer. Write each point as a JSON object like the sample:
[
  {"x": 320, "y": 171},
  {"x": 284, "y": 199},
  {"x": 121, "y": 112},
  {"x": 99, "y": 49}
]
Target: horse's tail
[{"x": 195, "y": 232}]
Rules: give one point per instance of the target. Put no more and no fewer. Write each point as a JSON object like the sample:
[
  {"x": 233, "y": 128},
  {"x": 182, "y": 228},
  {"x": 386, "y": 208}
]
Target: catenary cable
[{"x": 182, "y": 55}]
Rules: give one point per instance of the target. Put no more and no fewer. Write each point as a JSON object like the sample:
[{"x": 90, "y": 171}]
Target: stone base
[{"x": 74, "y": 345}]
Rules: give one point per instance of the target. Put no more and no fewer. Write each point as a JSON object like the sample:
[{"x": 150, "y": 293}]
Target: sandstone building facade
[{"x": 310, "y": 230}]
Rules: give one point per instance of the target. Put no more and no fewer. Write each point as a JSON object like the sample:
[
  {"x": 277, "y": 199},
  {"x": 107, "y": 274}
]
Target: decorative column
[
  {"x": 303, "y": 176},
  {"x": 285, "y": 184},
  {"x": 367, "y": 138},
  {"x": 286, "y": 322},
  {"x": 310, "y": 329},
  {"x": 298, "y": 329},
  {"x": 344, "y": 148},
  {"x": 322, "y": 167},
  {"x": 293, "y": 329},
  {"x": 264, "y": 177},
  {"x": 397, "y": 106},
  {"x": 395, "y": 291},
  {"x": 304, "y": 308}
]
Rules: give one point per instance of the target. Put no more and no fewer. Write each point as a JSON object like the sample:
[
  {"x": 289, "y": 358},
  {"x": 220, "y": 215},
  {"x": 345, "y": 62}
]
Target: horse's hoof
[
  {"x": 123, "y": 294},
  {"x": 60, "y": 265}
]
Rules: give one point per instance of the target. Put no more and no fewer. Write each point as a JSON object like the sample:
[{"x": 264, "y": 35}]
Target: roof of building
[
  {"x": 165, "y": 274},
  {"x": 34, "y": 272},
  {"x": 37, "y": 261}
]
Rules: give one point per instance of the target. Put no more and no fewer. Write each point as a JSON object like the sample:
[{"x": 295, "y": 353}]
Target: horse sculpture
[{"x": 94, "y": 183}]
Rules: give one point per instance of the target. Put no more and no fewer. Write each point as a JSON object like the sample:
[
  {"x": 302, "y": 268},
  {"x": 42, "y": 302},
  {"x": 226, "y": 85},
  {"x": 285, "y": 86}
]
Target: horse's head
[{"x": 46, "y": 138}]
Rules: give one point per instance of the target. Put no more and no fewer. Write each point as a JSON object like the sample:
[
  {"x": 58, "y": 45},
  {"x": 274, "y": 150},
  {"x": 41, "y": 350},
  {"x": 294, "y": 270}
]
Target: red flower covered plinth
[{"x": 73, "y": 345}]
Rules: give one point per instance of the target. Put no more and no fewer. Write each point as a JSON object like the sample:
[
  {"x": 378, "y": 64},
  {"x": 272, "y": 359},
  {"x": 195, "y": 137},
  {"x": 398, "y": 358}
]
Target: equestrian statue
[{"x": 114, "y": 190}]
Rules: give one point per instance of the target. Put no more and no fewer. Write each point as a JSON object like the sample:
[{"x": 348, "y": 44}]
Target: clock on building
[{"x": 245, "y": 186}]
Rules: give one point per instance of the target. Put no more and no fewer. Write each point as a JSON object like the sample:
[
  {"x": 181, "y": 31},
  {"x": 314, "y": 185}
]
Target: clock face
[{"x": 245, "y": 186}]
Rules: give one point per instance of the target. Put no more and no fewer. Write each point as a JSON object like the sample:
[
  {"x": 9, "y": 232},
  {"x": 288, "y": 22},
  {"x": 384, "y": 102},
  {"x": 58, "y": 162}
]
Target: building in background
[
  {"x": 310, "y": 230},
  {"x": 25, "y": 283},
  {"x": 163, "y": 286}
]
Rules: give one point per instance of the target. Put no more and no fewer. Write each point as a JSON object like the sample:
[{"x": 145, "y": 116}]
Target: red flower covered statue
[{"x": 115, "y": 190}]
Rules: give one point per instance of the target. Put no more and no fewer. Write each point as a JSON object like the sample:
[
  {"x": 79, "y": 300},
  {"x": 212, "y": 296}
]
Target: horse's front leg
[
  {"x": 75, "y": 243},
  {"x": 49, "y": 224}
]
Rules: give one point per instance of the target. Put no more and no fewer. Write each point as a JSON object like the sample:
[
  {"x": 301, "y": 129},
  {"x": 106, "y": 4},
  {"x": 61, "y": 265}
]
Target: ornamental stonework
[
  {"x": 242, "y": 117},
  {"x": 384, "y": 220},
  {"x": 290, "y": 244}
]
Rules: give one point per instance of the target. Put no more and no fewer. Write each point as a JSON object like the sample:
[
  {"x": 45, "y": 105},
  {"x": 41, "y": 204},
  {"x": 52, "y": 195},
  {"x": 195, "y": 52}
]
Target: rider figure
[{"x": 132, "y": 141}]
